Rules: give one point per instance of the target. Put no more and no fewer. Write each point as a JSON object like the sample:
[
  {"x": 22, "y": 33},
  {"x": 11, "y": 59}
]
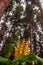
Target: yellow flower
[
  {"x": 18, "y": 44},
  {"x": 22, "y": 48}
]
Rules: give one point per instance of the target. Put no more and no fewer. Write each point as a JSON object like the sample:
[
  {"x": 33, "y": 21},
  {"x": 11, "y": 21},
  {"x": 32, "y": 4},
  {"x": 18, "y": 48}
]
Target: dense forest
[{"x": 21, "y": 19}]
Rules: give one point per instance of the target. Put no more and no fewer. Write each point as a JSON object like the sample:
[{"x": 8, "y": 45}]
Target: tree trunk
[{"x": 3, "y": 5}]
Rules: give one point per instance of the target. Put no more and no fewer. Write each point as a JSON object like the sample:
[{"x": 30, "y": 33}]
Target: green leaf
[
  {"x": 39, "y": 63},
  {"x": 39, "y": 59},
  {"x": 28, "y": 58},
  {"x": 9, "y": 51},
  {"x": 4, "y": 60},
  {"x": 23, "y": 58}
]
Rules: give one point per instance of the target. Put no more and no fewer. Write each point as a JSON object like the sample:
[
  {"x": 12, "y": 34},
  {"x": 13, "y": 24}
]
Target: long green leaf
[
  {"x": 26, "y": 58},
  {"x": 4, "y": 60},
  {"x": 39, "y": 59},
  {"x": 23, "y": 58},
  {"x": 9, "y": 51},
  {"x": 29, "y": 58}
]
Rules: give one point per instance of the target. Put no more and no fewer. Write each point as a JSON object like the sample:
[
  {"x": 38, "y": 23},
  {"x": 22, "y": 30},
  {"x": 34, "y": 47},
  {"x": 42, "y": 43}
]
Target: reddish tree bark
[
  {"x": 40, "y": 7},
  {"x": 30, "y": 38},
  {"x": 3, "y": 5}
]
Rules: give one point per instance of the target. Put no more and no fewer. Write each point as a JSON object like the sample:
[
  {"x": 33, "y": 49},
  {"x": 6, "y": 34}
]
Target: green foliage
[
  {"x": 39, "y": 59},
  {"x": 28, "y": 58},
  {"x": 19, "y": 9},
  {"x": 9, "y": 51},
  {"x": 23, "y": 58},
  {"x": 4, "y": 60},
  {"x": 14, "y": 36},
  {"x": 39, "y": 63}
]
